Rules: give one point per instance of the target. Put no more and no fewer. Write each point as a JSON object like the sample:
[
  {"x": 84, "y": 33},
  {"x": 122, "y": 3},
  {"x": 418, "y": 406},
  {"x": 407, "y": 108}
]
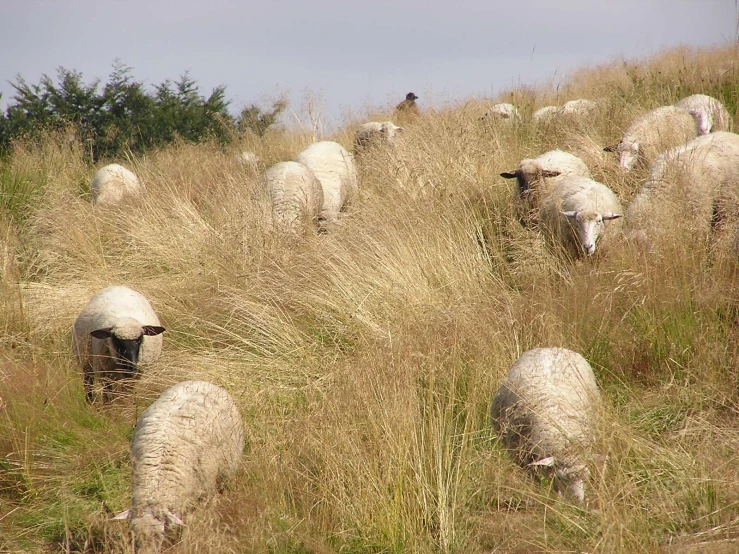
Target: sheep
[
  {"x": 574, "y": 109},
  {"x": 374, "y": 133},
  {"x": 535, "y": 176},
  {"x": 407, "y": 109},
  {"x": 545, "y": 115},
  {"x": 709, "y": 113},
  {"x": 574, "y": 214},
  {"x": 652, "y": 133},
  {"x": 690, "y": 188},
  {"x": 546, "y": 413},
  {"x": 296, "y": 196},
  {"x": 186, "y": 446},
  {"x": 334, "y": 167},
  {"x": 112, "y": 183},
  {"x": 579, "y": 108},
  {"x": 502, "y": 111},
  {"x": 115, "y": 332}
]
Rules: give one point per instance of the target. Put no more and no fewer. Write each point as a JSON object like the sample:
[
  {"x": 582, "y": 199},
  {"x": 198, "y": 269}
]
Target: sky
[{"x": 346, "y": 56}]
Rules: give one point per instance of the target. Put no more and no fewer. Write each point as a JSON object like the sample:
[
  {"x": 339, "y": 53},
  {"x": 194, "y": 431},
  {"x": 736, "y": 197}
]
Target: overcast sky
[{"x": 348, "y": 54}]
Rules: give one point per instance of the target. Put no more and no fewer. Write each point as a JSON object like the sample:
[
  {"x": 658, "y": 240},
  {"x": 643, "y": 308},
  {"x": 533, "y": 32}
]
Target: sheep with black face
[{"x": 115, "y": 332}]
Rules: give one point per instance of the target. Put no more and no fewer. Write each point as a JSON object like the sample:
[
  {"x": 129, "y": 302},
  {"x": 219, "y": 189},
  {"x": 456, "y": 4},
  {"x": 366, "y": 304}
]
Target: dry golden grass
[{"x": 364, "y": 360}]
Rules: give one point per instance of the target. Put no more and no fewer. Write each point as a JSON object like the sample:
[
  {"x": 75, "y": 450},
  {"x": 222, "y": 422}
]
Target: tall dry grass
[{"x": 364, "y": 360}]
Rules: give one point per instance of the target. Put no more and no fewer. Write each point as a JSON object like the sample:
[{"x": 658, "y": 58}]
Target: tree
[{"x": 253, "y": 118}]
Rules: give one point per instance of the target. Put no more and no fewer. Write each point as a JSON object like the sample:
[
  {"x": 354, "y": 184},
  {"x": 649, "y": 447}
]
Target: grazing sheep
[
  {"x": 502, "y": 111},
  {"x": 653, "y": 133},
  {"x": 690, "y": 189},
  {"x": 545, "y": 413},
  {"x": 574, "y": 214},
  {"x": 115, "y": 332},
  {"x": 374, "y": 133},
  {"x": 187, "y": 445},
  {"x": 295, "y": 194},
  {"x": 545, "y": 115},
  {"x": 535, "y": 176},
  {"x": 334, "y": 167},
  {"x": 709, "y": 113},
  {"x": 579, "y": 108},
  {"x": 112, "y": 183},
  {"x": 407, "y": 109}
]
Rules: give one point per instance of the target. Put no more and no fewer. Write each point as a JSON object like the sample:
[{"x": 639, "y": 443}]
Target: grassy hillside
[{"x": 364, "y": 360}]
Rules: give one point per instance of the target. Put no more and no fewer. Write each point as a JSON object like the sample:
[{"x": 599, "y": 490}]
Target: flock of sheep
[{"x": 546, "y": 411}]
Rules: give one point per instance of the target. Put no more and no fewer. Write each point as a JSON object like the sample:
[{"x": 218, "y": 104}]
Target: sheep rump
[
  {"x": 115, "y": 332},
  {"x": 296, "y": 196},
  {"x": 690, "y": 190},
  {"x": 546, "y": 412},
  {"x": 335, "y": 169},
  {"x": 187, "y": 445},
  {"x": 112, "y": 183}
]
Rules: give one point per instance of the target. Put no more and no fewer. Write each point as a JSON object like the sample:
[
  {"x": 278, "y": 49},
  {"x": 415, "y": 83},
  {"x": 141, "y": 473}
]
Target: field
[{"x": 364, "y": 360}]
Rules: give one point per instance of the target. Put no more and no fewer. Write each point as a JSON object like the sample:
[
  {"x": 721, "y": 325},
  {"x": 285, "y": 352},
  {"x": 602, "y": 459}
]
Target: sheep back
[
  {"x": 112, "y": 183},
  {"x": 654, "y": 132},
  {"x": 186, "y": 446},
  {"x": 690, "y": 189},
  {"x": 547, "y": 407},
  {"x": 295, "y": 194},
  {"x": 335, "y": 169}
]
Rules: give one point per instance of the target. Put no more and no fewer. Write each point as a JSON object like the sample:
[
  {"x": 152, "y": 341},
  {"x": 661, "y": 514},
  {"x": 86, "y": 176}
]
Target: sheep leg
[
  {"x": 89, "y": 379},
  {"x": 107, "y": 390}
]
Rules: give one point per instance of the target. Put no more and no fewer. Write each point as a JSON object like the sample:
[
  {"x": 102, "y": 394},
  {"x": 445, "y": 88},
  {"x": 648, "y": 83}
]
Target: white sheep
[
  {"x": 580, "y": 107},
  {"x": 690, "y": 188},
  {"x": 502, "y": 111},
  {"x": 573, "y": 109},
  {"x": 112, "y": 183},
  {"x": 336, "y": 170},
  {"x": 545, "y": 115},
  {"x": 535, "y": 176},
  {"x": 187, "y": 445},
  {"x": 578, "y": 213},
  {"x": 652, "y": 133},
  {"x": 709, "y": 113},
  {"x": 546, "y": 414},
  {"x": 115, "y": 332},
  {"x": 374, "y": 133},
  {"x": 296, "y": 196}
]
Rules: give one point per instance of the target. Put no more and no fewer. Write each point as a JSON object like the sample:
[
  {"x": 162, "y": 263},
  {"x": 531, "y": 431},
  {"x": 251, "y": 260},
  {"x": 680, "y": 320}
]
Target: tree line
[{"x": 122, "y": 115}]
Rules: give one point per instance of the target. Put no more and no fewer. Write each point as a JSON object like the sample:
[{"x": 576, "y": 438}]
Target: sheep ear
[
  {"x": 151, "y": 330},
  {"x": 612, "y": 148},
  {"x": 545, "y": 462},
  {"x": 607, "y": 217},
  {"x": 101, "y": 333},
  {"x": 172, "y": 519},
  {"x": 509, "y": 175},
  {"x": 571, "y": 213},
  {"x": 550, "y": 173},
  {"x": 122, "y": 515}
]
